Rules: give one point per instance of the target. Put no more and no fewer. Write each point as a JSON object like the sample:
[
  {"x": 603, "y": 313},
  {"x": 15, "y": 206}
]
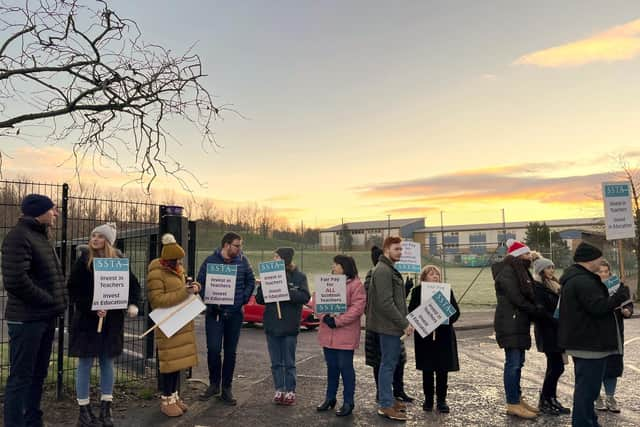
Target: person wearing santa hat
[{"x": 515, "y": 310}]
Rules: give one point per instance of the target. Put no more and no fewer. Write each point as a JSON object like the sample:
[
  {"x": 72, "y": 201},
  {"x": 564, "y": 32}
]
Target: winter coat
[
  {"x": 84, "y": 339},
  {"x": 587, "y": 321},
  {"x": 291, "y": 310},
  {"x": 438, "y": 351},
  {"x": 31, "y": 274},
  {"x": 346, "y": 334},
  {"x": 245, "y": 282},
  {"x": 514, "y": 309},
  {"x": 386, "y": 300},
  {"x": 167, "y": 288},
  {"x": 615, "y": 362},
  {"x": 546, "y": 329}
]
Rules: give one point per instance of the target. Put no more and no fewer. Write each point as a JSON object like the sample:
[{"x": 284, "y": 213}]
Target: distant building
[{"x": 368, "y": 233}]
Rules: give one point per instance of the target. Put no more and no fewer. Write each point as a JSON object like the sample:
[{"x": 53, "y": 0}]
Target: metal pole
[
  {"x": 444, "y": 264},
  {"x": 550, "y": 246},
  {"x": 63, "y": 261},
  {"x": 388, "y": 225}
]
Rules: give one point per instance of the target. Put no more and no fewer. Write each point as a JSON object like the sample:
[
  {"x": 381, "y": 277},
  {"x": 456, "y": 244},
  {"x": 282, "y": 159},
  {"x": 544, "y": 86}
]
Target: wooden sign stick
[
  {"x": 168, "y": 316},
  {"x": 279, "y": 312},
  {"x": 100, "y": 322}
]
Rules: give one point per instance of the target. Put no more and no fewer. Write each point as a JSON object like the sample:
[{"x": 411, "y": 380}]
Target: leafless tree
[
  {"x": 631, "y": 173},
  {"x": 85, "y": 75}
]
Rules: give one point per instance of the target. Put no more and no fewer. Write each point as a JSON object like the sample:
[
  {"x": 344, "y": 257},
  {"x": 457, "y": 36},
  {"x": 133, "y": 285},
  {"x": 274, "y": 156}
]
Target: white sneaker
[
  {"x": 600, "y": 405},
  {"x": 612, "y": 405}
]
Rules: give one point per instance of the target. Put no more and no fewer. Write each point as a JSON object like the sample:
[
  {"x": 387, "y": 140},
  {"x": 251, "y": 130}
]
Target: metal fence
[{"x": 137, "y": 231}]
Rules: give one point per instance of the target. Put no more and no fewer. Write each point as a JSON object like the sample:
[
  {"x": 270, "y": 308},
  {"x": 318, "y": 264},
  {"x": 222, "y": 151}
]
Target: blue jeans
[
  {"x": 610, "y": 384},
  {"x": 83, "y": 376},
  {"x": 340, "y": 362},
  {"x": 29, "y": 352},
  {"x": 389, "y": 355},
  {"x": 589, "y": 374},
  {"x": 223, "y": 331},
  {"x": 513, "y": 363},
  {"x": 282, "y": 351}
]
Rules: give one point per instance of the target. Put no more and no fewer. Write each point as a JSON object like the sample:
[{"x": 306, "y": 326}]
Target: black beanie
[
  {"x": 35, "y": 205},
  {"x": 586, "y": 252},
  {"x": 375, "y": 254},
  {"x": 286, "y": 254}
]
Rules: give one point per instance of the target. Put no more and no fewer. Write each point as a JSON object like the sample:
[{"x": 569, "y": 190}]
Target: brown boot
[
  {"x": 399, "y": 406},
  {"x": 180, "y": 402},
  {"x": 392, "y": 413},
  {"x": 529, "y": 407},
  {"x": 520, "y": 411},
  {"x": 169, "y": 407}
]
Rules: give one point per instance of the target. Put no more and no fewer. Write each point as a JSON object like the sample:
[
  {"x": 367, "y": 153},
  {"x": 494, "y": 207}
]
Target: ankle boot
[
  {"x": 105, "y": 413},
  {"x": 324, "y": 406},
  {"x": 546, "y": 407},
  {"x": 86, "y": 417},
  {"x": 180, "y": 402},
  {"x": 169, "y": 406}
]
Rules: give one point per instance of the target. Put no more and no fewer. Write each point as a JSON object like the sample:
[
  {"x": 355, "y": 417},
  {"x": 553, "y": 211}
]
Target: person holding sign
[
  {"x": 228, "y": 285},
  {"x": 437, "y": 353},
  {"x": 85, "y": 342},
  {"x": 282, "y": 328},
  {"x": 387, "y": 315},
  {"x": 615, "y": 362},
  {"x": 167, "y": 287},
  {"x": 588, "y": 330},
  {"x": 339, "y": 336}
]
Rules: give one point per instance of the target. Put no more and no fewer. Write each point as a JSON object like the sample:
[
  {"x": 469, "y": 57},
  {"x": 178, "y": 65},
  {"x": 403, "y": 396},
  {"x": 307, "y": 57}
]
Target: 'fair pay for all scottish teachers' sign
[
  {"x": 220, "y": 284},
  {"x": 273, "y": 280},
  {"x": 410, "y": 259},
  {"x": 331, "y": 293},
  {"x": 110, "y": 284},
  {"x": 618, "y": 211}
]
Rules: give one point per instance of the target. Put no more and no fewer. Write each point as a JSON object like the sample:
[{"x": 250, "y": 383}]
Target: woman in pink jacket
[{"x": 339, "y": 336}]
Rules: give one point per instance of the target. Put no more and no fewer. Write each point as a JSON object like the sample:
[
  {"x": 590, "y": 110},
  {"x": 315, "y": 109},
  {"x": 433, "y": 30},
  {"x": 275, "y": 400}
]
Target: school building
[{"x": 365, "y": 234}]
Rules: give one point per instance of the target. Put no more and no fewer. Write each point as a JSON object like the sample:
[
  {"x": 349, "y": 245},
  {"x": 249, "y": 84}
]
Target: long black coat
[
  {"x": 615, "y": 363},
  {"x": 84, "y": 339},
  {"x": 546, "y": 328},
  {"x": 437, "y": 351}
]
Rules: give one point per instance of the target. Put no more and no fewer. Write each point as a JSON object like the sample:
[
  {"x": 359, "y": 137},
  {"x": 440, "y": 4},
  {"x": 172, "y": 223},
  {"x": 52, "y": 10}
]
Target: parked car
[{"x": 254, "y": 313}]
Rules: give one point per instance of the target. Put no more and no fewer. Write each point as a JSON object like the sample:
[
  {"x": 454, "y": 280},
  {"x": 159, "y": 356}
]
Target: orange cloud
[{"x": 620, "y": 43}]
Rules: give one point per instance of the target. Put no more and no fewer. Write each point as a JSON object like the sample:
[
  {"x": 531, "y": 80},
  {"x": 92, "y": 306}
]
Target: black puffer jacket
[
  {"x": 31, "y": 273},
  {"x": 546, "y": 329},
  {"x": 291, "y": 310},
  {"x": 84, "y": 339}
]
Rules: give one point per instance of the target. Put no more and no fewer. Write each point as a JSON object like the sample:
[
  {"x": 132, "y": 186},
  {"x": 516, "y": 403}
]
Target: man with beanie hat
[
  {"x": 588, "y": 329},
  {"x": 34, "y": 281}
]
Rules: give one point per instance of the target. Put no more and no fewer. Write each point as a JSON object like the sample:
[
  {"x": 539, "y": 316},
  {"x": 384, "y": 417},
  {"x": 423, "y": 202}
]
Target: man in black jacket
[
  {"x": 588, "y": 329},
  {"x": 34, "y": 281}
]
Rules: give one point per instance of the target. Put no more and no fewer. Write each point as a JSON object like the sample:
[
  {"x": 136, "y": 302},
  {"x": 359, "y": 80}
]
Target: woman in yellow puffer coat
[{"x": 167, "y": 287}]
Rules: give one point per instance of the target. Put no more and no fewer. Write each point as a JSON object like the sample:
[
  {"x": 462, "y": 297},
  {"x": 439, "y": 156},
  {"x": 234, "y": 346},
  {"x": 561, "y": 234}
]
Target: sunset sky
[{"x": 360, "y": 109}]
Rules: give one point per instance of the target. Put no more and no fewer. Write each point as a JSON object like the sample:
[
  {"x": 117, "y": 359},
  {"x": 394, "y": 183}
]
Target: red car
[{"x": 254, "y": 312}]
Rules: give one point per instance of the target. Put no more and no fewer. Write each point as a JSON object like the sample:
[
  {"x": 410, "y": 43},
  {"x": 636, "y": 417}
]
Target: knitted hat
[
  {"x": 540, "y": 264},
  {"x": 108, "y": 230},
  {"x": 515, "y": 248},
  {"x": 170, "y": 248},
  {"x": 286, "y": 254},
  {"x": 586, "y": 252},
  {"x": 375, "y": 254},
  {"x": 35, "y": 205}
]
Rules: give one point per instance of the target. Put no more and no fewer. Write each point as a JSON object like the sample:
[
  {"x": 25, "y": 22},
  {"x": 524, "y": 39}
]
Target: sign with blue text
[
  {"x": 428, "y": 289},
  {"x": 273, "y": 279},
  {"x": 410, "y": 261},
  {"x": 110, "y": 284},
  {"x": 220, "y": 284},
  {"x": 431, "y": 314},
  {"x": 612, "y": 284},
  {"x": 618, "y": 210},
  {"x": 331, "y": 293}
]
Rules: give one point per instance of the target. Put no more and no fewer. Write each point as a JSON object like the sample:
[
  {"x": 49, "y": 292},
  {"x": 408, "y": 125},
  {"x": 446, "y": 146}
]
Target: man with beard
[{"x": 515, "y": 310}]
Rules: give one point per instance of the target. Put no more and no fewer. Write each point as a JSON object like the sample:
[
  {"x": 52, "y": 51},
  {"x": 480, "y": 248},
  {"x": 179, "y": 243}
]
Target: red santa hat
[{"x": 515, "y": 248}]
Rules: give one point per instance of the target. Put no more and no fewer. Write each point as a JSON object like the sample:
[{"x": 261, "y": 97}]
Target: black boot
[
  {"x": 227, "y": 397},
  {"x": 398, "y": 385},
  {"x": 324, "y": 406},
  {"x": 442, "y": 407},
  {"x": 105, "y": 414},
  {"x": 441, "y": 391},
  {"x": 427, "y": 388},
  {"x": 212, "y": 390},
  {"x": 546, "y": 407},
  {"x": 559, "y": 407},
  {"x": 86, "y": 417},
  {"x": 346, "y": 409}
]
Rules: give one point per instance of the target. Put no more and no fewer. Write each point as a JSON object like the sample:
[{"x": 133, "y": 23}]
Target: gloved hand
[
  {"x": 132, "y": 310},
  {"x": 329, "y": 321}
]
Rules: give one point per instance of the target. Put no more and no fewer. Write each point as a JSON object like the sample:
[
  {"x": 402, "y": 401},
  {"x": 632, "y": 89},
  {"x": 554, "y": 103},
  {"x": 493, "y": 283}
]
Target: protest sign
[
  {"x": 410, "y": 261},
  {"x": 612, "y": 284},
  {"x": 220, "y": 284},
  {"x": 331, "y": 293},
  {"x": 430, "y": 314},
  {"x": 110, "y": 284},
  {"x": 427, "y": 289},
  {"x": 273, "y": 280},
  {"x": 618, "y": 210},
  {"x": 171, "y": 319}
]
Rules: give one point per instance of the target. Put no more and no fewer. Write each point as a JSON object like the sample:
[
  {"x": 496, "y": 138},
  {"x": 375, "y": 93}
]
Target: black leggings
[
  {"x": 442, "y": 378},
  {"x": 555, "y": 368},
  {"x": 170, "y": 383}
]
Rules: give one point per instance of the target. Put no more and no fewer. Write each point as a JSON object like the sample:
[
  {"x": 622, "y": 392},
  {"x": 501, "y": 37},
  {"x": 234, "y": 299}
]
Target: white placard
[
  {"x": 110, "y": 284},
  {"x": 426, "y": 318},
  {"x": 331, "y": 293},
  {"x": 618, "y": 210},
  {"x": 177, "y": 320},
  {"x": 427, "y": 290},
  {"x": 273, "y": 279},
  {"x": 220, "y": 284},
  {"x": 410, "y": 261}
]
